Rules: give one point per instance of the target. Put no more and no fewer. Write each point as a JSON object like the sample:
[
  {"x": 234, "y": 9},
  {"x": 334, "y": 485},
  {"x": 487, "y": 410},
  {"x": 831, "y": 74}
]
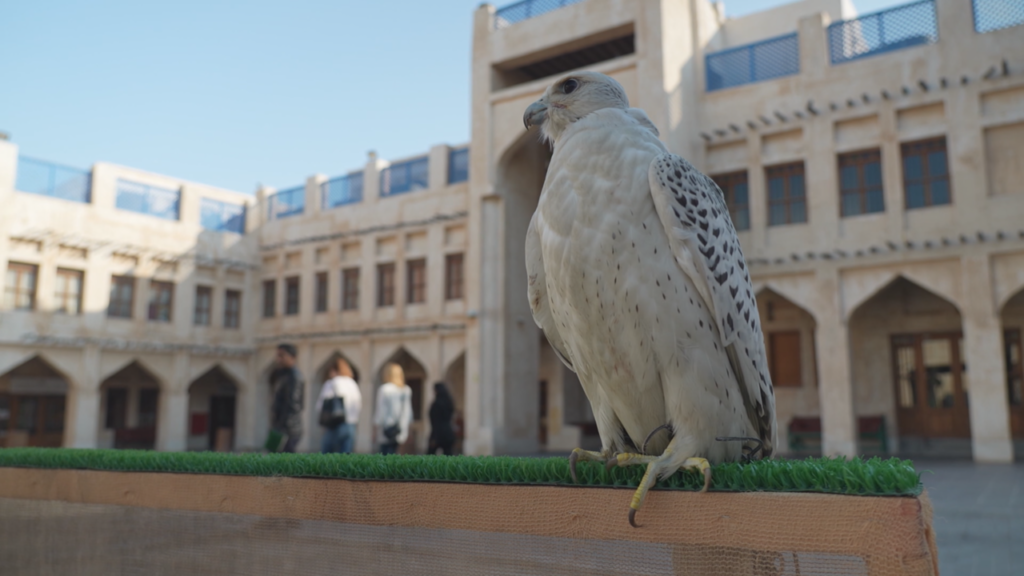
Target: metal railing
[
  {"x": 991, "y": 15},
  {"x": 54, "y": 180},
  {"x": 150, "y": 200},
  {"x": 458, "y": 165},
  {"x": 222, "y": 216},
  {"x": 764, "y": 60},
  {"x": 526, "y": 9},
  {"x": 285, "y": 203},
  {"x": 405, "y": 177},
  {"x": 892, "y": 29},
  {"x": 342, "y": 190}
]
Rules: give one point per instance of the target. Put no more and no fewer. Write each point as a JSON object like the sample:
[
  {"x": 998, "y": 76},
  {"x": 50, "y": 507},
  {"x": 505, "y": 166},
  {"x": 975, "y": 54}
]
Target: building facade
[{"x": 871, "y": 164}]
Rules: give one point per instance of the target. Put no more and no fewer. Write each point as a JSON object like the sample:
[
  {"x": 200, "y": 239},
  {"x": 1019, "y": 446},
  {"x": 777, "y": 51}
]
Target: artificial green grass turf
[{"x": 873, "y": 477}]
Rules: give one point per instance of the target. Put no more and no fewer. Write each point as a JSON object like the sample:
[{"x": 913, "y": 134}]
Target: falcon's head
[{"x": 572, "y": 98}]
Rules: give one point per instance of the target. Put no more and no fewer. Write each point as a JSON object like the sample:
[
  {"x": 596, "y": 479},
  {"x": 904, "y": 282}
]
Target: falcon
[{"x": 636, "y": 278}]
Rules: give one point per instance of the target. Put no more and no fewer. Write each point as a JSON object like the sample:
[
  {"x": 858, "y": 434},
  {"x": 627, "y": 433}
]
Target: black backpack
[{"x": 332, "y": 414}]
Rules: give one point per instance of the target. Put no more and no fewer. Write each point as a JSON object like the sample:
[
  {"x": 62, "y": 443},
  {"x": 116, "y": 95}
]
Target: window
[
  {"x": 735, "y": 190},
  {"x": 69, "y": 291},
  {"x": 343, "y": 190},
  {"x": 150, "y": 200},
  {"x": 405, "y": 177},
  {"x": 204, "y": 297},
  {"x": 784, "y": 360},
  {"x": 458, "y": 165},
  {"x": 20, "y": 289},
  {"x": 386, "y": 284},
  {"x": 122, "y": 297},
  {"x": 286, "y": 203},
  {"x": 453, "y": 279},
  {"x": 350, "y": 289},
  {"x": 787, "y": 203},
  {"x": 925, "y": 173},
  {"x": 161, "y": 296},
  {"x": 232, "y": 308},
  {"x": 269, "y": 298},
  {"x": 860, "y": 183},
  {"x": 117, "y": 408},
  {"x": 416, "y": 280},
  {"x": 291, "y": 296},
  {"x": 321, "y": 291},
  {"x": 222, "y": 216}
]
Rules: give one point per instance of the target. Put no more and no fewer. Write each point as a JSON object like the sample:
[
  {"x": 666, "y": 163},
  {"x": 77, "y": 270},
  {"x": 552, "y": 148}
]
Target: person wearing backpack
[{"x": 338, "y": 407}]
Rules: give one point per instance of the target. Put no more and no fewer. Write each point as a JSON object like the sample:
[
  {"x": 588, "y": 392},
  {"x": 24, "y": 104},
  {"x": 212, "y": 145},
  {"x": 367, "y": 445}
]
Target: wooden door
[
  {"x": 222, "y": 415},
  {"x": 39, "y": 418},
  {"x": 931, "y": 385}
]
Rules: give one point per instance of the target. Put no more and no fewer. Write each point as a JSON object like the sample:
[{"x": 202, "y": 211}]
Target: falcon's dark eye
[{"x": 570, "y": 85}]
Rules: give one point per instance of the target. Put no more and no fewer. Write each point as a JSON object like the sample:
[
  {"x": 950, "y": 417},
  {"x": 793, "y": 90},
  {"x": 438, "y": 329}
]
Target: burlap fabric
[{"x": 85, "y": 522}]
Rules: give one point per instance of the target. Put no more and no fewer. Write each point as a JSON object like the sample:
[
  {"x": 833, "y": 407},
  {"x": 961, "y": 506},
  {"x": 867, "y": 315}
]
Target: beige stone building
[{"x": 871, "y": 163}]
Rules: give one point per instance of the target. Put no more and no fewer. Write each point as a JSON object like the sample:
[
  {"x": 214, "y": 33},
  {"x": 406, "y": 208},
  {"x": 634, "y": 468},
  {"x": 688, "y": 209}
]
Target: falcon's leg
[
  {"x": 586, "y": 456},
  {"x": 658, "y": 467}
]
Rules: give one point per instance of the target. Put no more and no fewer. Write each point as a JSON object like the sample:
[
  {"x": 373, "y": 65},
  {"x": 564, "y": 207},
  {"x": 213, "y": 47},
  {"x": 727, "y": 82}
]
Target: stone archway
[
  {"x": 33, "y": 398},
  {"x": 910, "y": 368},
  {"x": 789, "y": 339},
  {"x": 1012, "y": 320},
  {"x": 129, "y": 408},
  {"x": 212, "y": 409}
]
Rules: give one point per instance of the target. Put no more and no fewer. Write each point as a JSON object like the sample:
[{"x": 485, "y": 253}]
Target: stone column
[
  {"x": 832, "y": 339},
  {"x": 172, "y": 418},
  {"x": 985, "y": 378},
  {"x": 83, "y": 403},
  {"x": 364, "y": 428}
]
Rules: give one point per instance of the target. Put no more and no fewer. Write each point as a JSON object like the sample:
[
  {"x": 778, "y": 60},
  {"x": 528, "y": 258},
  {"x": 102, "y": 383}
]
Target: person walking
[
  {"x": 442, "y": 435},
  {"x": 289, "y": 397},
  {"x": 340, "y": 384},
  {"x": 394, "y": 410}
]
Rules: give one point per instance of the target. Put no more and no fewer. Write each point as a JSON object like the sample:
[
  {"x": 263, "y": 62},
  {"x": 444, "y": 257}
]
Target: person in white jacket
[
  {"x": 341, "y": 384},
  {"x": 394, "y": 410}
]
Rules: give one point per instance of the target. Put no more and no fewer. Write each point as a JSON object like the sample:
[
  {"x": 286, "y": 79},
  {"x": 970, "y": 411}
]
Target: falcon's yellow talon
[{"x": 585, "y": 455}]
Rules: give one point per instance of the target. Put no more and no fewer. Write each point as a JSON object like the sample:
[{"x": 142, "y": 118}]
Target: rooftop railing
[
  {"x": 764, "y": 60},
  {"x": 458, "y": 165},
  {"x": 343, "y": 190},
  {"x": 526, "y": 9},
  {"x": 222, "y": 216},
  {"x": 285, "y": 203},
  {"x": 896, "y": 28},
  {"x": 54, "y": 180},
  {"x": 405, "y": 177},
  {"x": 150, "y": 200},
  {"x": 991, "y": 15}
]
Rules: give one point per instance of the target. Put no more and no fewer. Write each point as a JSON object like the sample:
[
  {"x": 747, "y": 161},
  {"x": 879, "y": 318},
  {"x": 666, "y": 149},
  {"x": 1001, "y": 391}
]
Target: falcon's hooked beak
[{"x": 535, "y": 114}]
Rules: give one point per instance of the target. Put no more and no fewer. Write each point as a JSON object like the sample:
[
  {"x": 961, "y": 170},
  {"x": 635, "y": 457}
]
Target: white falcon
[{"x": 637, "y": 280}]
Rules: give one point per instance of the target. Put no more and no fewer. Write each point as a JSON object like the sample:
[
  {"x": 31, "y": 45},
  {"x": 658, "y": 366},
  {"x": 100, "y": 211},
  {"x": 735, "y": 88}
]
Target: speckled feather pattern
[{"x": 622, "y": 291}]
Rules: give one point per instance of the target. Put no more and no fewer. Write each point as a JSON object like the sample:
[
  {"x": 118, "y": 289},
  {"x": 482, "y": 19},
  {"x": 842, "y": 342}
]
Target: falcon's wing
[
  {"x": 537, "y": 292},
  {"x": 704, "y": 242}
]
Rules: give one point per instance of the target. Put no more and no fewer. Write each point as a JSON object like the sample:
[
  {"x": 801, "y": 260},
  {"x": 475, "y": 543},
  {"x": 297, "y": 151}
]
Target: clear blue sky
[{"x": 237, "y": 93}]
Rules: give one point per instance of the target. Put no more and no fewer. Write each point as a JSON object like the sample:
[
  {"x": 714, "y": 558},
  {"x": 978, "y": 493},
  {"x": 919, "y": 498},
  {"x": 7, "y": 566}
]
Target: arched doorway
[
  {"x": 212, "y": 404},
  {"x": 317, "y": 432},
  {"x": 520, "y": 178},
  {"x": 788, "y": 331},
  {"x": 129, "y": 404},
  {"x": 1012, "y": 318},
  {"x": 32, "y": 405},
  {"x": 908, "y": 364},
  {"x": 455, "y": 378},
  {"x": 415, "y": 379}
]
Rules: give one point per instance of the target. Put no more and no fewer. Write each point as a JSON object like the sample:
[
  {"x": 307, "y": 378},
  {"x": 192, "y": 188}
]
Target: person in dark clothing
[
  {"x": 442, "y": 435},
  {"x": 289, "y": 397}
]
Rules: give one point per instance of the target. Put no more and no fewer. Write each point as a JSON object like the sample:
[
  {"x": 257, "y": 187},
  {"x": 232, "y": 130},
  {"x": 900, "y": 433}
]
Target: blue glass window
[
  {"x": 860, "y": 183},
  {"x": 458, "y": 165},
  {"x": 787, "y": 201},
  {"x": 54, "y": 180},
  {"x": 926, "y": 173},
  {"x": 287, "y": 203},
  {"x": 403, "y": 177},
  {"x": 735, "y": 189},
  {"x": 342, "y": 190}
]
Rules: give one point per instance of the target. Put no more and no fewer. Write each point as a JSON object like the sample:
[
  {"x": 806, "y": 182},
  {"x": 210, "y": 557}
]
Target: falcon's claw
[
  {"x": 581, "y": 454},
  {"x": 611, "y": 462},
  {"x": 632, "y": 518}
]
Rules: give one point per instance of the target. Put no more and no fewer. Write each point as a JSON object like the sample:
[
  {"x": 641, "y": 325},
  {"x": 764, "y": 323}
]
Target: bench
[{"x": 806, "y": 429}]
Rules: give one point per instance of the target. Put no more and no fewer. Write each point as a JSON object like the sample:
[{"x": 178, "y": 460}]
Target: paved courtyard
[{"x": 979, "y": 516}]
